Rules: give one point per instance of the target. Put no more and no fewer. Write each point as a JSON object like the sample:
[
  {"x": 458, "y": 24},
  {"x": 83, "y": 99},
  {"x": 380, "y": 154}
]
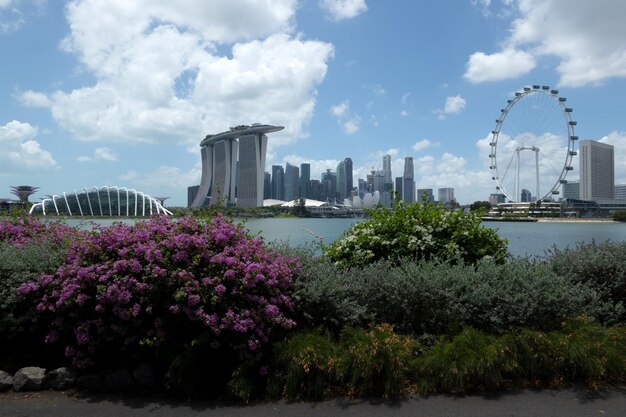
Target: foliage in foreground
[
  {"x": 417, "y": 231},
  {"x": 168, "y": 291},
  {"x": 363, "y": 362},
  {"x": 441, "y": 298},
  {"x": 19, "y": 264},
  {"x": 28, "y": 249},
  {"x": 602, "y": 266},
  {"x": 313, "y": 365}
]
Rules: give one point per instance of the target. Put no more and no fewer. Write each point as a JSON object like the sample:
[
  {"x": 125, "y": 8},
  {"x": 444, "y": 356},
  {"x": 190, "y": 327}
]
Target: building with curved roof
[
  {"x": 101, "y": 201},
  {"x": 233, "y": 167}
]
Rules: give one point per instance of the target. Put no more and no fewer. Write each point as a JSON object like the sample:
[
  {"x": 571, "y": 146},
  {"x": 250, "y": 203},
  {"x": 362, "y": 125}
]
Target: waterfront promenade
[{"x": 573, "y": 402}]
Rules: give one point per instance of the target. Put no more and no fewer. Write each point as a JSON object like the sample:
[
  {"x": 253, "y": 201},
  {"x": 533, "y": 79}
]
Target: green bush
[
  {"x": 471, "y": 361},
  {"x": 378, "y": 361},
  {"x": 581, "y": 352},
  {"x": 437, "y": 297},
  {"x": 362, "y": 362},
  {"x": 21, "y": 330},
  {"x": 420, "y": 232},
  {"x": 601, "y": 266},
  {"x": 375, "y": 361},
  {"x": 19, "y": 264},
  {"x": 620, "y": 215},
  {"x": 307, "y": 362}
]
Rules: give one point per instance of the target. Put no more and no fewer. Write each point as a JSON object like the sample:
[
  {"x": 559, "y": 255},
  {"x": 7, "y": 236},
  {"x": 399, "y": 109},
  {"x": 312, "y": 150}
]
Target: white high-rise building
[
  {"x": 597, "y": 170},
  {"x": 446, "y": 195}
]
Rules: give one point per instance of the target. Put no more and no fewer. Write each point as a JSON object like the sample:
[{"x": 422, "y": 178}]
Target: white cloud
[
  {"x": 341, "y": 109},
  {"x": 105, "y": 154},
  {"x": 454, "y": 104},
  {"x": 351, "y": 126},
  {"x": 99, "y": 154},
  {"x": 404, "y": 113},
  {"x": 393, "y": 152},
  {"x": 483, "y": 5},
  {"x": 509, "y": 63},
  {"x": 164, "y": 179},
  {"x": 405, "y": 97},
  {"x": 425, "y": 165},
  {"x": 343, "y": 9},
  {"x": 11, "y": 17},
  {"x": 34, "y": 99},
  {"x": 350, "y": 122},
  {"x": 451, "y": 163},
  {"x": 618, "y": 140},
  {"x": 376, "y": 89},
  {"x": 20, "y": 151},
  {"x": 159, "y": 76},
  {"x": 421, "y": 145},
  {"x": 585, "y": 37}
]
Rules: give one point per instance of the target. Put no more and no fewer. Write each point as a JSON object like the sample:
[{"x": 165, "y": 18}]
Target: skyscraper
[
  {"x": 526, "y": 197},
  {"x": 620, "y": 192},
  {"x": 378, "y": 181},
  {"x": 399, "y": 187},
  {"x": 571, "y": 190},
  {"x": 329, "y": 185},
  {"x": 292, "y": 182},
  {"x": 597, "y": 170},
  {"x": 267, "y": 185},
  {"x": 349, "y": 180},
  {"x": 408, "y": 186},
  {"x": 341, "y": 179},
  {"x": 278, "y": 182},
  {"x": 387, "y": 168},
  {"x": 446, "y": 195},
  {"x": 221, "y": 181},
  {"x": 362, "y": 187},
  {"x": 305, "y": 181},
  {"x": 495, "y": 199},
  {"x": 425, "y": 193}
]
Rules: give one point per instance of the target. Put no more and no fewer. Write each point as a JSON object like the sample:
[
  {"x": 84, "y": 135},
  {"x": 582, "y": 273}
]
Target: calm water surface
[{"x": 525, "y": 239}]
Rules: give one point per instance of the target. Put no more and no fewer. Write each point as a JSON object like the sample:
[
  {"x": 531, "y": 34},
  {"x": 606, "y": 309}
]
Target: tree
[
  {"x": 299, "y": 209},
  {"x": 477, "y": 205}
]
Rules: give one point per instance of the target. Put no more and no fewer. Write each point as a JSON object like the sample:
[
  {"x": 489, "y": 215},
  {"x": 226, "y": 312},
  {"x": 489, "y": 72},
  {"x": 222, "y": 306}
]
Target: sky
[{"x": 118, "y": 92}]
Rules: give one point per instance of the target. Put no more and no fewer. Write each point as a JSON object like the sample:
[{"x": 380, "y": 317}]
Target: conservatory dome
[{"x": 101, "y": 201}]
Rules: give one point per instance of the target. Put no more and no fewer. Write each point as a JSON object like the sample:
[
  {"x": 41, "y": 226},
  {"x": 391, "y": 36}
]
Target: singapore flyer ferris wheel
[{"x": 532, "y": 145}]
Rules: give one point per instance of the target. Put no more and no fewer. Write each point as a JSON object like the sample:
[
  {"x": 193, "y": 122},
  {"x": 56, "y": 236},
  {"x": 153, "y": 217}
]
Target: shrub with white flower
[{"x": 419, "y": 231}]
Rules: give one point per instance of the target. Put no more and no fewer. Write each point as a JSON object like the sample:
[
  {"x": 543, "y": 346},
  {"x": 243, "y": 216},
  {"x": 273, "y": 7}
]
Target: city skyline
[{"x": 120, "y": 93}]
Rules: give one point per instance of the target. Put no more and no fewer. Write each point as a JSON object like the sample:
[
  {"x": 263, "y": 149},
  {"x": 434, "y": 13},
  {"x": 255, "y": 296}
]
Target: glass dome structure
[{"x": 101, "y": 201}]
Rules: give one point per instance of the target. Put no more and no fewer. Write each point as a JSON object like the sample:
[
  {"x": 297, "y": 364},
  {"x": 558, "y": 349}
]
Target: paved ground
[{"x": 545, "y": 403}]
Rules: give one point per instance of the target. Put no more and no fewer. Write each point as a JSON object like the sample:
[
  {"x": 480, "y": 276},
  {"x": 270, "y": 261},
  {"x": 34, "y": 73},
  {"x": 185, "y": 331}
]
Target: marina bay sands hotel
[{"x": 233, "y": 167}]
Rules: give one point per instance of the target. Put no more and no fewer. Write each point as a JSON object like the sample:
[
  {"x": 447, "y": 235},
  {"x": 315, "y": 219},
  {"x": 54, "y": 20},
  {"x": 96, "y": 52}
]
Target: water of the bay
[{"x": 525, "y": 239}]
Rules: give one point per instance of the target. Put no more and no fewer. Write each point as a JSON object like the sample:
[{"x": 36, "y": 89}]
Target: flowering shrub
[
  {"x": 420, "y": 231},
  {"x": 24, "y": 230},
  {"x": 163, "y": 286}
]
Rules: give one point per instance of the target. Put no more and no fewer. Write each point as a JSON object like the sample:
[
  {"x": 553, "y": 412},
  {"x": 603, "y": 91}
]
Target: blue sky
[{"x": 117, "y": 92}]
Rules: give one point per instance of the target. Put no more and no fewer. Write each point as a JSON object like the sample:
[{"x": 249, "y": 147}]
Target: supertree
[{"x": 23, "y": 192}]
